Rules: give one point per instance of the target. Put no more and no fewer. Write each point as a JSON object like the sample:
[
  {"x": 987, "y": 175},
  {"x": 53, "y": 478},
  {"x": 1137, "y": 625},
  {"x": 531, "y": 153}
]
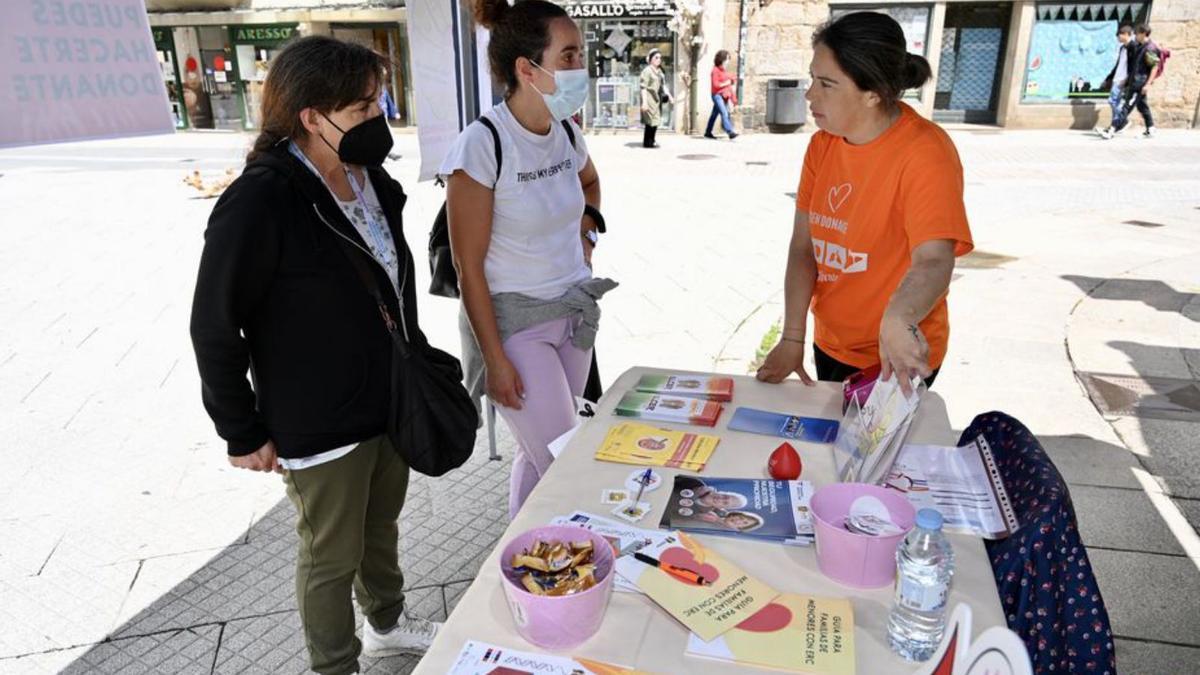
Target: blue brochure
[{"x": 811, "y": 429}]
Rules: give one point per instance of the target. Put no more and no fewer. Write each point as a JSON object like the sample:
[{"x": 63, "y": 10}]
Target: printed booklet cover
[
  {"x": 729, "y": 597},
  {"x": 482, "y": 658},
  {"x": 796, "y": 633},
  {"x": 677, "y": 409},
  {"x": 645, "y": 445},
  {"x": 794, "y": 427},
  {"x": 768, "y": 509},
  {"x": 695, "y": 386}
]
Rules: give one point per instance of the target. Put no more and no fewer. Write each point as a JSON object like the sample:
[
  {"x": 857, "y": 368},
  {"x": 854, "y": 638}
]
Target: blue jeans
[
  {"x": 1115, "y": 100},
  {"x": 719, "y": 109}
]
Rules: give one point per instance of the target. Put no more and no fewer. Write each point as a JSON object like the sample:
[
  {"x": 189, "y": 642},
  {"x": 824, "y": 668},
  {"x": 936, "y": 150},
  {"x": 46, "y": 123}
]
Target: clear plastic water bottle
[{"x": 924, "y": 569}]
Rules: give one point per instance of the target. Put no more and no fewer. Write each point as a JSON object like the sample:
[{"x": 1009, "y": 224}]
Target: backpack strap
[
  {"x": 496, "y": 145},
  {"x": 570, "y": 132}
]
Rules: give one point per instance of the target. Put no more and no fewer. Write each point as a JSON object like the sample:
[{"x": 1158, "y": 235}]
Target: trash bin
[{"x": 785, "y": 102}]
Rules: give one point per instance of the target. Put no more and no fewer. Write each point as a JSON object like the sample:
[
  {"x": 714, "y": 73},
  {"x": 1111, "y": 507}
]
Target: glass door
[{"x": 973, "y": 44}]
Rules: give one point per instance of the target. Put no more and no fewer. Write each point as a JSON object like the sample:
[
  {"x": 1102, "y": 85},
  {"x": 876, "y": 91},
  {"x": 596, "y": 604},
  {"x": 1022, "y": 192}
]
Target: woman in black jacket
[{"x": 277, "y": 296}]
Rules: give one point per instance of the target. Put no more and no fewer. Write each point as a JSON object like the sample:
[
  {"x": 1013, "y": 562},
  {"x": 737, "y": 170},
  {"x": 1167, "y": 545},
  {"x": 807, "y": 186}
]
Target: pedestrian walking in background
[
  {"x": 1115, "y": 82},
  {"x": 879, "y": 215},
  {"x": 1146, "y": 68},
  {"x": 724, "y": 96},
  {"x": 278, "y": 295},
  {"x": 523, "y": 220},
  {"x": 654, "y": 94},
  {"x": 1146, "y": 65}
]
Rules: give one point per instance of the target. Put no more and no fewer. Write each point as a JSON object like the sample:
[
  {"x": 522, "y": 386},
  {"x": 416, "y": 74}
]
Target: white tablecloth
[{"x": 635, "y": 631}]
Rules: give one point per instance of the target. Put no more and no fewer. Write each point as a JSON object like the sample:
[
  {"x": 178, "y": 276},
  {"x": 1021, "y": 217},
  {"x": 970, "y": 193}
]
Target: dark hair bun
[
  {"x": 916, "y": 71},
  {"x": 488, "y": 13}
]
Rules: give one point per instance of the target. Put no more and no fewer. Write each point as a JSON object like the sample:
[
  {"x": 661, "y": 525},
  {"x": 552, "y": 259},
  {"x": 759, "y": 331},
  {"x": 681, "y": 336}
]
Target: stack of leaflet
[
  {"x": 871, "y": 435},
  {"x": 674, "y": 409},
  {"x": 692, "y": 386},
  {"x": 644, "y": 445},
  {"x": 678, "y": 398},
  {"x": 748, "y": 508}
]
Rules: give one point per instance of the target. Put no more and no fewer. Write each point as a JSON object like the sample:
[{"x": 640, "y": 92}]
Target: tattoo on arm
[{"x": 915, "y": 332}]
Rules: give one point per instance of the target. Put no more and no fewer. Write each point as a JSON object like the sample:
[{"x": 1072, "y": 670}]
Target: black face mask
[{"x": 366, "y": 144}]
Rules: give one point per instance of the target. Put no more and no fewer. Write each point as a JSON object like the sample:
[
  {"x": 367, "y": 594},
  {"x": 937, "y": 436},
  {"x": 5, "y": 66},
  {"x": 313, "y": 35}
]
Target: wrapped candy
[{"x": 556, "y": 568}]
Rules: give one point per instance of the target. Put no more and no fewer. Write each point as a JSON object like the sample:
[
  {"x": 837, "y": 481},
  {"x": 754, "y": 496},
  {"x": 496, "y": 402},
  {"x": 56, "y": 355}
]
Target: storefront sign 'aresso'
[{"x": 599, "y": 9}]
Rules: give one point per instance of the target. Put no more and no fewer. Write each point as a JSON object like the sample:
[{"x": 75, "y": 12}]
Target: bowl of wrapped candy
[{"x": 557, "y": 581}]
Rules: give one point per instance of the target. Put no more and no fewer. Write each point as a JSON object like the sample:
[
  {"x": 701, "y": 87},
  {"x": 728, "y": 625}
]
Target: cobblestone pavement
[{"x": 128, "y": 544}]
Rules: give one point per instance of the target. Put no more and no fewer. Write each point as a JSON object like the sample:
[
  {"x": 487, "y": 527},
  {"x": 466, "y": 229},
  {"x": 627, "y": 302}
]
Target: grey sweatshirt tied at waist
[{"x": 516, "y": 312}]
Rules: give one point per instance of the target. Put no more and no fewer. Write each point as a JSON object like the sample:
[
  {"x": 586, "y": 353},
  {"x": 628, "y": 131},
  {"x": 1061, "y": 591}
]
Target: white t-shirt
[
  {"x": 536, "y": 247},
  {"x": 1122, "y": 73}
]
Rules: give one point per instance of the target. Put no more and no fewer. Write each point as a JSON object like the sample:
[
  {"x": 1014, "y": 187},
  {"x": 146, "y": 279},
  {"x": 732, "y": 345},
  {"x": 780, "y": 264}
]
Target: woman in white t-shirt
[{"x": 522, "y": 233}]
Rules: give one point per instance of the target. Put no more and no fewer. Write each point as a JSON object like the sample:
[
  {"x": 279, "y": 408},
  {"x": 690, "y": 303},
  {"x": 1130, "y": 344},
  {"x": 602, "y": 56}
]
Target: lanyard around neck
[{"x": 378, "y": 232}]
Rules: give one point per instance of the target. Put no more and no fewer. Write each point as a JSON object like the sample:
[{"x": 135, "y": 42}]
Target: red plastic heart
[{"x": 784, "y": 463}]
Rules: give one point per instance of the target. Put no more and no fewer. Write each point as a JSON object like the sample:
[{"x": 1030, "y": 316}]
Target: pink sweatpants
[{"x": 554, "y": 372}]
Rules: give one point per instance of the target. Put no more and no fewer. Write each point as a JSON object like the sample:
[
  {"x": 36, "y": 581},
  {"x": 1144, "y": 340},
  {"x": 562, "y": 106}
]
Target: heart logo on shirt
[{"x": 838, "y": 196}]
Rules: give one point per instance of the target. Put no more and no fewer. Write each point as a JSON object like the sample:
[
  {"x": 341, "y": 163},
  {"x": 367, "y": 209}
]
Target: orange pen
[{"x": 677, "y": 572}]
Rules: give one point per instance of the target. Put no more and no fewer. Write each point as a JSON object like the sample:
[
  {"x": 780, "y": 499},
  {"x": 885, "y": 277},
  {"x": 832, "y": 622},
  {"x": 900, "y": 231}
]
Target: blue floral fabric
[{"x": 1047, "y": 589}]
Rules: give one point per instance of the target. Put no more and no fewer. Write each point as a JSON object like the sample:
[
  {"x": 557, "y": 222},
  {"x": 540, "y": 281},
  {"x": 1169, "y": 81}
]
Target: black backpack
[{"x": 443, "y": 277}]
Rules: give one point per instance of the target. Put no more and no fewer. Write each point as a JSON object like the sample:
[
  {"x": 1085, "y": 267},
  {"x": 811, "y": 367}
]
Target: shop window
[
  {"x": 617, "y": 52},
  {"x": 1073, "y": 48}
]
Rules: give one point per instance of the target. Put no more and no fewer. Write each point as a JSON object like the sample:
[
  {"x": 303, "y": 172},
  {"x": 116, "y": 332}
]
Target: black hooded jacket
[{"x": 277, "y": 296}]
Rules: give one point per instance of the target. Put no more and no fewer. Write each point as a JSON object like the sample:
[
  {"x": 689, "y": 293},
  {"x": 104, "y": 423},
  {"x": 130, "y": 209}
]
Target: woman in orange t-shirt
[{"x": 879, "y": 215}]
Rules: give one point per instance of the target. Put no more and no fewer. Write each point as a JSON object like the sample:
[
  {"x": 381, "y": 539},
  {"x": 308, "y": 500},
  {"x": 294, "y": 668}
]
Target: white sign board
[
  {"x": 78, "y": 69},
  {"x": 436, "y": 65}
]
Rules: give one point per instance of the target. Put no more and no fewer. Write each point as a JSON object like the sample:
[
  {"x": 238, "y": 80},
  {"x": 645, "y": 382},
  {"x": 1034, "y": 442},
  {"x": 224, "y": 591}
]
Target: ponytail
[
  {"x": 871, "y": 48},
  {"x": 489, "y": 13},
  {"x": 518, "y": 31},
  {"x": 916, "y": 71}
]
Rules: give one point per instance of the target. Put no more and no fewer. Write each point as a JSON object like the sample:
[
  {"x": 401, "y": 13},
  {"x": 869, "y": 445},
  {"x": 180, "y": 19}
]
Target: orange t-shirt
[{"x": 868, "y": 207}]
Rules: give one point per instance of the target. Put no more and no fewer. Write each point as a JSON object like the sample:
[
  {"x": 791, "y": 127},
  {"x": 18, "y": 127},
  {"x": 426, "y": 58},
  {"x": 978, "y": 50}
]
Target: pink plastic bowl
[
  {"x": 853, "y": 559},
  {"x": 565, "y": 621}
]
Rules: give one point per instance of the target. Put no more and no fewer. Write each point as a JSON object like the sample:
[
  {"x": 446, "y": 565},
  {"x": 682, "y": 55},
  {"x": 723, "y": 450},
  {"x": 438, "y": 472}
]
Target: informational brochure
[
  {"x": 963, "y": 484},
  {"x": 724, "y": 596},
  {"x": 871, "y": 435},
  {"x": 795, "y": 633},
  {"x": 793, "y": 427},
  {"x": 646, "y": 445},
  {"x": 663, "y": 408},
  {"x": 626, "y": 539},
  {"x": 711, "y": 388},
  {"x": 482, "y": 658},
  {"x": 747, "y": 508}
]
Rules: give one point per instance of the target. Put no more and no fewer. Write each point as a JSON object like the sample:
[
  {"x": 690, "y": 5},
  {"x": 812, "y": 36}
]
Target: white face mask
[{"x": 570, "y": 92}]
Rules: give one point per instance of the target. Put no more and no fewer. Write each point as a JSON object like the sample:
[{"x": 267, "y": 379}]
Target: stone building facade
[{"x": 1018, "y": 64}]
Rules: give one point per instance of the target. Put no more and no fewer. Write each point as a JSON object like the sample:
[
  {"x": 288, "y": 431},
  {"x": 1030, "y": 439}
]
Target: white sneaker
[
  {"x": 409, "y": 636},
  {"x": 1107, "y": 134},
  {"x": 1150, "y": 132},
  {"x": 1101, "y": 131}
]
